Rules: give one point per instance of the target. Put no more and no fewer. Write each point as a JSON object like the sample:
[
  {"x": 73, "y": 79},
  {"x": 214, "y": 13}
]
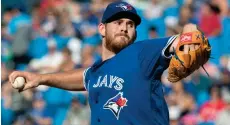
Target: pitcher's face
[{"x": 119, "y": 34}]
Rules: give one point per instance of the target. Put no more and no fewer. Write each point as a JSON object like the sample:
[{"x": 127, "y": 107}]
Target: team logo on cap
[
  {"x": 125, "y": 7},
  {"x": 115, "y": 104}
]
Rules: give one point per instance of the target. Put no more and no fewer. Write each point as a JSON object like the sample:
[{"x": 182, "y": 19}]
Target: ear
[{"x": 101, "y": 29}]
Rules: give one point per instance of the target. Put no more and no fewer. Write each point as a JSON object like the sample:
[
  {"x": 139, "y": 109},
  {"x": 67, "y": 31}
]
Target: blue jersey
[{"x": 126, "y": 89}]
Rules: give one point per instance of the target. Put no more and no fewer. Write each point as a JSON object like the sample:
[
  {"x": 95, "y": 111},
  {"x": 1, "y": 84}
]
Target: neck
[{"x": 106, "y": 54}]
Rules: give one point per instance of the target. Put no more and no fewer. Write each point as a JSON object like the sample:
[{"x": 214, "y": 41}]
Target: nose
[{"x": 124, "y": 28}]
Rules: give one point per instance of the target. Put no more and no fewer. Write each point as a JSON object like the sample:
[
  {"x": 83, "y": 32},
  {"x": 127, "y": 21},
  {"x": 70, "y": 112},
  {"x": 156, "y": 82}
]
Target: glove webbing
[{"x": 182, "y": 63}]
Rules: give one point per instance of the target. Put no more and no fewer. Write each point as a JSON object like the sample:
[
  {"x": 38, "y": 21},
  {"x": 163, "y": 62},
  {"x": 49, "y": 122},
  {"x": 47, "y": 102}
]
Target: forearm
[{"x": 70, "y": 80}]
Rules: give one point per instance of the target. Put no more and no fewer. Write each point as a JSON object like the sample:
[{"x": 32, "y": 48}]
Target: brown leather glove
[{"x": 181, "y": 64}]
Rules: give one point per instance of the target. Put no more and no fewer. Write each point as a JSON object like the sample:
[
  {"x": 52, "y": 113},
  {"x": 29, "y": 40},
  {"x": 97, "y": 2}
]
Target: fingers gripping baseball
[{"x": 31, "y": 80}]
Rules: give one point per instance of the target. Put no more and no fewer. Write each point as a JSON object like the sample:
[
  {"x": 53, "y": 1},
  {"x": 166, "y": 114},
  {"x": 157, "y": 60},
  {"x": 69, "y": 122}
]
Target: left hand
[
  {"x": 187, "y": 28},
  {"x": 191, "y": 51}
]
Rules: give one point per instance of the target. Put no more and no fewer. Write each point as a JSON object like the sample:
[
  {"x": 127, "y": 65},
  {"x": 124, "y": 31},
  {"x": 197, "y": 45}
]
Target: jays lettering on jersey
[{"x": 126, "y": 89}]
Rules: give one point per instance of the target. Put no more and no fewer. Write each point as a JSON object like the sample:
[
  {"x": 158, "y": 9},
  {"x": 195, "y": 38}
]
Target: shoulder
[
  {"x": 153, "y": 44},
  {"x": 155, "y": 41}
]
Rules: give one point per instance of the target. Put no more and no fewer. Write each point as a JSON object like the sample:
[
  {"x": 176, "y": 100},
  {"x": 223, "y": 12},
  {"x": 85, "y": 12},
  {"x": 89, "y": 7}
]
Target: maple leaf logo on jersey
[
  {"x": 125, "y": 7},
  {"x": 115, "y": 104}
]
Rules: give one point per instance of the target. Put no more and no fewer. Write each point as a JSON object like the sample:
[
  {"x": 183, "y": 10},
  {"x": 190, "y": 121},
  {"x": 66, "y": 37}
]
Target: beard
[{"x": 118, "y": 42}]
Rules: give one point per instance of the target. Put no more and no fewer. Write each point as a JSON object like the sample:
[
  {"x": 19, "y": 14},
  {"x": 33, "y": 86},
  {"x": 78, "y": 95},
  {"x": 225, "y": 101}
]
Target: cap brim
[{"x": 125, "y": 14}]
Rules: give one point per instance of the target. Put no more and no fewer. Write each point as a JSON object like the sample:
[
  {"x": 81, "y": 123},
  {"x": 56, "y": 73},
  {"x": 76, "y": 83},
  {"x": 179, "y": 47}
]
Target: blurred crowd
[{"x": 47, "y": 36}]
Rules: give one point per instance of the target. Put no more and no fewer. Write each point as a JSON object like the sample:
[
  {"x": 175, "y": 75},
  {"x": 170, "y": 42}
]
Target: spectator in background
[
  {"x": 177, "y": 94},
  {"x": 87, "y": 55},
  {"x": 21, "y": 103},
  {"x": 228, "y": 65},
  {"x": 6, "y": 95},
  {"x": 50, "y": 62},
  {"x": 26, "y": 120},
  {"x": 154, "y": 10},
  {"x": 67, "y": 34},
  {"x": 211, "y": 108},
  {"x": 152, "y": 32},
  {"x": 188, "y": 2},
  {"x": 6, "y": 48},
  {"x": 78, "y": 114},
  {"x": 174, "y": 115},
  {"x": 68, "y": 63},
  {"x": 170, "y": 31},
  {"x": 18, "y": 104},
  {"x": 4, "y": 73},
  {"x": 7, "y": 16},
  {"x": 223, "y": 5},
  {"x": 98, "y": 6},
  {"x": 36, "y": 20},
  {"x": 91, "y": 38},
  {"x": 223, "y": 118},
  {"x": 47, "y": 5},
  {"x": 50, "y": 22},
  {"x": 39, "y": 112},
  {"x": 74, "y": 9},
  {"x": 75, "y": 46},
  {"x": 186, "y": 16},
  {"x": 15, "y": 18},
  {"x": 228, "y": 12},
  {"x": 175, "y": 100},
  {"x": 64, "y": 24},
  {"x": 171, "y": 25},
  {"x": 182, "y": 106},
  {"x": 210, "y": 22},
  {"x": 225, "y": 72},
  {"x": 18, "y": 32},
  {"x": 190, "y": 86},
  {"x": 189, "y": 111}
]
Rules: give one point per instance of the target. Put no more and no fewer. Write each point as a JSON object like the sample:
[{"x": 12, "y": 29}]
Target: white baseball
[{"x": 19, "y": 83}]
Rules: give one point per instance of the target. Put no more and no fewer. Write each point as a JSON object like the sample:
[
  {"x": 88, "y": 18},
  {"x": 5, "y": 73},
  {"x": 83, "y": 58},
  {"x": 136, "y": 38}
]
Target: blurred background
[{"x": 47, "y": 36}]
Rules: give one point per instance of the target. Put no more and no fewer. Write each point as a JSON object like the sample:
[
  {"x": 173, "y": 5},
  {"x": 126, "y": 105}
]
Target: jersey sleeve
[
  {"x": 86, "y": 78},
  {"x": 153, "y": 58},
  {"x": 169, "y": 42}
]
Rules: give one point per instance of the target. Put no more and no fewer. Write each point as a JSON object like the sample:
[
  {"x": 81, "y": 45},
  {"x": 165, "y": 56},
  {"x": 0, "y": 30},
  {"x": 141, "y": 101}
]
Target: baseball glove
[{"x": 181, "y": 65}]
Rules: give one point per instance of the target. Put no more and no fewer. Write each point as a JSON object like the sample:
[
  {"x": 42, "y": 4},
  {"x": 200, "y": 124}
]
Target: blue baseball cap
[{"x": 117, "y": 10}]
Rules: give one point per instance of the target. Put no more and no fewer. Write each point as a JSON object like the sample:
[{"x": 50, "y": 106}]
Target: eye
[
  {"x": 131, "y": 25},
  {"x": 119, "y": 22}
]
